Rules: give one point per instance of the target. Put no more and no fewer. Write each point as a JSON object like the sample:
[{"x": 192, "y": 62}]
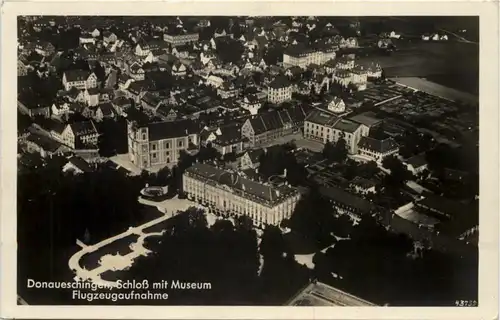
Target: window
[
  {"x": 180, "y": 143},
  {"x": 167, "y": 153},
  {"x": 153, "y": 147},
  {"x": 167, "y": 145}
]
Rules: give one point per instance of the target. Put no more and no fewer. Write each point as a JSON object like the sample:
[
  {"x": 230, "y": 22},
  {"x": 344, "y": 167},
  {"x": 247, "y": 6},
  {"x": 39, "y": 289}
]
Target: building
[
  {"x": 279, "y": 90},
  {"x": 265, "y": 128},
  {"x": 91, "y": 97},
  {"x": 180, "y": 39},
  {"x": 318, "y": 294},
  {"x": 105, "y": 111},
  {"x": 301, "y": 56},
  {"x": 251, "y": 159},
  {"x": 31, "y": 108},
  {"x": 416, "y": 164},
  {"x": 343, "y": 77},
  {"x": 228, "y": 90},
  {"x": 109, "y": 37},
  {"x": 80, "y": 134},
  {"x": 44, "y": 48},
  {"x": 360, "y": 77},
  {"x": 44, "y": 145},
  {"x": 225, "y": 139},
  {"x": 345, "y": 62},
  {"x": 251, "y": 103},
  {"x": 77, "y": 165},
  {"x": 160, "y": 143},
  {"x": 443, "y": 208},
  {"x": 362, "y": 186},
  {"x": 136, "y": 72},
  {"x": 374, "y": 70},
  {"x": 326, "y": 126},
  {"x": 368, "y": 121},
  {"x": 377, "y": 149},
  {"x": 178, "y": 69},
  {"x": 347, "y": 203},
  {"x": 228, "y": 192},
  {"x": 80, "y": 79}
]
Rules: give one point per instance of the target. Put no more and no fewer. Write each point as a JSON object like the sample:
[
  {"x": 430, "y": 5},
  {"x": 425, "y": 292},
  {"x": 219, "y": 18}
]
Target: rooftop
[
  {"x": 322, "y": 118},
  {"x": 346, "y": 126},
  {"x": 168, "y": 129},
  {"x": 348, "y": 199},
  {"x": 381, "y": 146},
  {"x": 318, "y": 294},
  {"x": 246, "y": 188},
  {"x": 366, "y": 118}
]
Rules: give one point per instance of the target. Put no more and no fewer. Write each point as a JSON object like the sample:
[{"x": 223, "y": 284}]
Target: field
[
  {"x": 436, "y": 89},
  {"x": 451, "y": 64}
]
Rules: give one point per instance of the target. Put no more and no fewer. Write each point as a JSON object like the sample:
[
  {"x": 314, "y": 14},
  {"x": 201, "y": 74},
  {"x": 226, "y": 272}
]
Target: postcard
[{"x": 249, "y": 160}]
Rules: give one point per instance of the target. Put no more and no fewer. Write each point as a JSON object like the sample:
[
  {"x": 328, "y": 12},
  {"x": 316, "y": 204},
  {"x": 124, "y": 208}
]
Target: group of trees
[
  {"x": 226, "y": 255},
  {"x": 56, "y": 208},
  {"x": 335, "y": 151},
  {"x": 464, "y": 161},
  {"x": 186, "y": 160},
  {"x": 376, "y": 263},
  {"x": 398, "y": 175},
  {"x": 413, "y": 142},
  {"x": 275, "y": 160},
  {"x": 112, "y": 137},
  {"x": 317, "y": 221},
  {"x": 230, "y": 50},
  {"x": 378, "y": 266}
]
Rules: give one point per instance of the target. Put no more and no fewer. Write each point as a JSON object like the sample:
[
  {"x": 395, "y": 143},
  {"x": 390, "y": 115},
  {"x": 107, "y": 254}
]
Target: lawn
[
  {"x": 121, "y": 246},
  {"x": 429, "y": 86},
  {"x": 148, "y": 213}
]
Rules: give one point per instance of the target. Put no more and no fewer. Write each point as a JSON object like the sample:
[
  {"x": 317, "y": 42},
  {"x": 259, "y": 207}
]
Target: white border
[{"x": 489, "y": 160}]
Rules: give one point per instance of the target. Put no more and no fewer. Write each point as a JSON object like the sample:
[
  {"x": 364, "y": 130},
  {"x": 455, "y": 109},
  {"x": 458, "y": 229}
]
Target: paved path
[{"x": 118, "y": 262}]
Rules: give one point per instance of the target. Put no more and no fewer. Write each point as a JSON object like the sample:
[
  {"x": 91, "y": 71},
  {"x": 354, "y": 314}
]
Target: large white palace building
[{"x": 231, "y": 193}]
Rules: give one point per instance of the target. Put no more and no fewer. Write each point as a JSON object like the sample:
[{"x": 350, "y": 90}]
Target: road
[{"x": 460, "y": 38}]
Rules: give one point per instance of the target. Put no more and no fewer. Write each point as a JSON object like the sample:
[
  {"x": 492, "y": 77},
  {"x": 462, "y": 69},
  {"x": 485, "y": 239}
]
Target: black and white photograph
[{"x": 248, "y": 160}]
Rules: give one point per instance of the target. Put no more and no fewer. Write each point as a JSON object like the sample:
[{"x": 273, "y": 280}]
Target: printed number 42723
[{"x": 466, "y": 303}]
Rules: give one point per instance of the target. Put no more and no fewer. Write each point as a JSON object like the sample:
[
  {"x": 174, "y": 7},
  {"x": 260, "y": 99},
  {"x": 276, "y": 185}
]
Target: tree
[
  {"x": 230, "y": 50},
  {"x": 163, "y": 176},
  {"x": 399, "y": 173},
  {"x": 207, "y": 153},
  {"x": 313, "y": 217},
  {"x": 369, "y": 170},
  {"x": 60, "y": 208},
  {"x": 273, "y": 245},
  {"x": 336, "y": 151}
]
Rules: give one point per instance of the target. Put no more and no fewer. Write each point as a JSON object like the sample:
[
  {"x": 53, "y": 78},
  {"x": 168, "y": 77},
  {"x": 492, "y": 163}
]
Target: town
[{"x": 280, "y": 160}]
